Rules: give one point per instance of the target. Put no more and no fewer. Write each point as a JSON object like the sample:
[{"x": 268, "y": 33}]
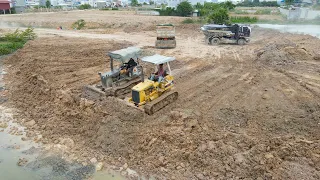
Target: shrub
[
  {"x": 79, "y": 24},
  {"x": 13, "y": 41},
  {"x": 20, "y": 36},
  {"x": 13, "y": 10},
  {"x": 167, "y": 12},
  {"x": 48, "y": 4},
  {"x": 184, "y": 8},
  {"x": 219, "y": 16},
  {"x": 135, "y": 3},
  {"x": 316, "y": 7},
  {"x": 188, "y": 21},
  {"x": 84, "y": 6}
]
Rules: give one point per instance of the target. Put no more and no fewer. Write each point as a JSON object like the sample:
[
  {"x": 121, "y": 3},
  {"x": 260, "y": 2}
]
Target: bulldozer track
[{"x": 154, "y": 106}]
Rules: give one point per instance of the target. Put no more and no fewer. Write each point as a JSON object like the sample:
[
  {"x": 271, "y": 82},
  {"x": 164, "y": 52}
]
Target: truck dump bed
[
  {"x": 165, "y": 36},
  {"x": 165, "y": 31}
]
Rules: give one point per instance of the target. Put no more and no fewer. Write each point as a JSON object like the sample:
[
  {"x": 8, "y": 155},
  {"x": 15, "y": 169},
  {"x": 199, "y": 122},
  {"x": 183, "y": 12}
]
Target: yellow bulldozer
[{"x": 156, "y": 92}]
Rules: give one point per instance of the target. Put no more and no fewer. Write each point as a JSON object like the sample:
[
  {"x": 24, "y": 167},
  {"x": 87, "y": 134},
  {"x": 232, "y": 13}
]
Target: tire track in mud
[{"x": 301, "y": 83}]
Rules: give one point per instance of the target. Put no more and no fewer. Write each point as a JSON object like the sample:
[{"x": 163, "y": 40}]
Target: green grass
[
  {"x": 263, "y": 11},
  {"x": 188, "y": 21},
  {"x": 243, "y": 19},
  {"x": 7, "y": 47},
  {"x": 240, "y": 12},
  {"x": 14, "y": 41}
]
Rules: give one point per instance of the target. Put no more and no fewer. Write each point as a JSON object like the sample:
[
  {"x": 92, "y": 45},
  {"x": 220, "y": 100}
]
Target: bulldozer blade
[{"x": 92, "y": 91}]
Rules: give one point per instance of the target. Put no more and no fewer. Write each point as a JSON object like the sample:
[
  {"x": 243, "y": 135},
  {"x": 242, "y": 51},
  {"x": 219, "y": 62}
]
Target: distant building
[
  {"x": 20, "y": 5},
  {"x": 5, "y": 6}
]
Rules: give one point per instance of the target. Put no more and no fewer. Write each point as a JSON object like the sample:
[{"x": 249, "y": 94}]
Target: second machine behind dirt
[{"x": 119, "y": 81}]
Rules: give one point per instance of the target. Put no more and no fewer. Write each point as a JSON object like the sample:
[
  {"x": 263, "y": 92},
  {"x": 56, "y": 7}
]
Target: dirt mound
[
  {"x": 282, "y": 53},
  {"x": 232, "y": 120},
  {"x": 46, "y": 87}
]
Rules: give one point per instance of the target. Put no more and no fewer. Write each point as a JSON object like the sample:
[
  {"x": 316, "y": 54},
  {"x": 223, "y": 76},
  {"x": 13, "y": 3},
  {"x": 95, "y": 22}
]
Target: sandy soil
[{"x": 244, "y": 112}]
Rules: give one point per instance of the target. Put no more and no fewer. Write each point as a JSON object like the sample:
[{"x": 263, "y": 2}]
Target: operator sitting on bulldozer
[
  {"x": 126, "y": 67},
  {"x": 159, "y": 75}
]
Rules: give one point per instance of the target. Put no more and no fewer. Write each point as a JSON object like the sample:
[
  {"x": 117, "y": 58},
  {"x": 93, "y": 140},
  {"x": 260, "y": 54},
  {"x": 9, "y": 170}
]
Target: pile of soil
[
  {"x": 280, "y": 53},
  {"x": 232, "y": 120}
]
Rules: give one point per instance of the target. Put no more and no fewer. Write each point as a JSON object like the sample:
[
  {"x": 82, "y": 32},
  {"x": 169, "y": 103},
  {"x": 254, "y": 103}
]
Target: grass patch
[
  {"x": 243, "y": 19},
  {"x": 263, "y": 12},
  {"x": 115, "y": 9},
  {"x": 240, "y": 12},
  {"x": 188, "y": 21},
  {"x": 79, "y": 24},
  {"x": 14, "y": 41},
  {"x": 84, "y": 6},
  {"x": 193, "y": 21},
  {"x": 7, "y": 47}
]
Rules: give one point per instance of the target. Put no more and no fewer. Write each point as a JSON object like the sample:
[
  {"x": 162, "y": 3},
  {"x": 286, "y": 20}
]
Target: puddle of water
[
  {"x": 313, "y": 30},
  {"x": 9, "y": 158},
  {"x": 107, "y": 176},
  {"x": 12, "y": 148}
]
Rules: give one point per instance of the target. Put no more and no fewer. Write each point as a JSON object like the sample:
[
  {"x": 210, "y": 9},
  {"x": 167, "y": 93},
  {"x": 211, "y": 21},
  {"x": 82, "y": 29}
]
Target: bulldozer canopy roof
[
  {"x": 124, "y": 55},
  {"x": 157, "y": 59}
]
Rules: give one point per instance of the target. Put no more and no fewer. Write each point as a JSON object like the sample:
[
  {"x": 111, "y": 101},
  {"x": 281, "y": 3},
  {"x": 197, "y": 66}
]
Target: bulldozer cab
[
  {"x": 123, "y": 56},
  {"x": 159, "y": 60},
  {"x": 165, "y": 78},
  {"x": 128, "y": 60}
]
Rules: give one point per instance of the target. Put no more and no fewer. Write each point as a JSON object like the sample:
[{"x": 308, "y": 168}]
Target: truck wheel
[
  {"x": 207, "y": 41},
  {"x": 241, "y": 42},
  {"x": 215, "y": 41}
]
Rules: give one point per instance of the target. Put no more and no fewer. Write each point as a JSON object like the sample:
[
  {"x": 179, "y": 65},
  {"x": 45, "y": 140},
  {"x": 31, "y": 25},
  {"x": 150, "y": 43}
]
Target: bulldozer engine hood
[
  {"x": 143, "y": 85},
  {"x": 124, "y": 55},
  {"x": 111, "y": 73}
]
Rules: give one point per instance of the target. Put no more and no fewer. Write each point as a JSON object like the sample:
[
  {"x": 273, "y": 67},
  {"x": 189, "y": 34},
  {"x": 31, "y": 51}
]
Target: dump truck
[
  {"x": 119, "y": 81},
  {"x": 165, "y": 36},
  {"x": 216, "y": 34}
]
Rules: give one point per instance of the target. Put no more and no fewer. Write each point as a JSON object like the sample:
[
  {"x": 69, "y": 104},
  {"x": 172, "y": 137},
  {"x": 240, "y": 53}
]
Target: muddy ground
[{"x": 243, "y": 112}]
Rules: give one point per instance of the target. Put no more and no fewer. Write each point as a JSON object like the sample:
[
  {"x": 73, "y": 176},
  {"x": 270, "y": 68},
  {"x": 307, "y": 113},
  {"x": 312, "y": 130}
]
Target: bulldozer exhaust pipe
[{"x": 142, "y": 74}]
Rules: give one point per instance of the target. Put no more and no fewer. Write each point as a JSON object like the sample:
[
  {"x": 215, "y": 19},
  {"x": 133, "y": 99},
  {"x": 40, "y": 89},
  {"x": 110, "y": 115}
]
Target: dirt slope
[{"x": 243, "y": 111}]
